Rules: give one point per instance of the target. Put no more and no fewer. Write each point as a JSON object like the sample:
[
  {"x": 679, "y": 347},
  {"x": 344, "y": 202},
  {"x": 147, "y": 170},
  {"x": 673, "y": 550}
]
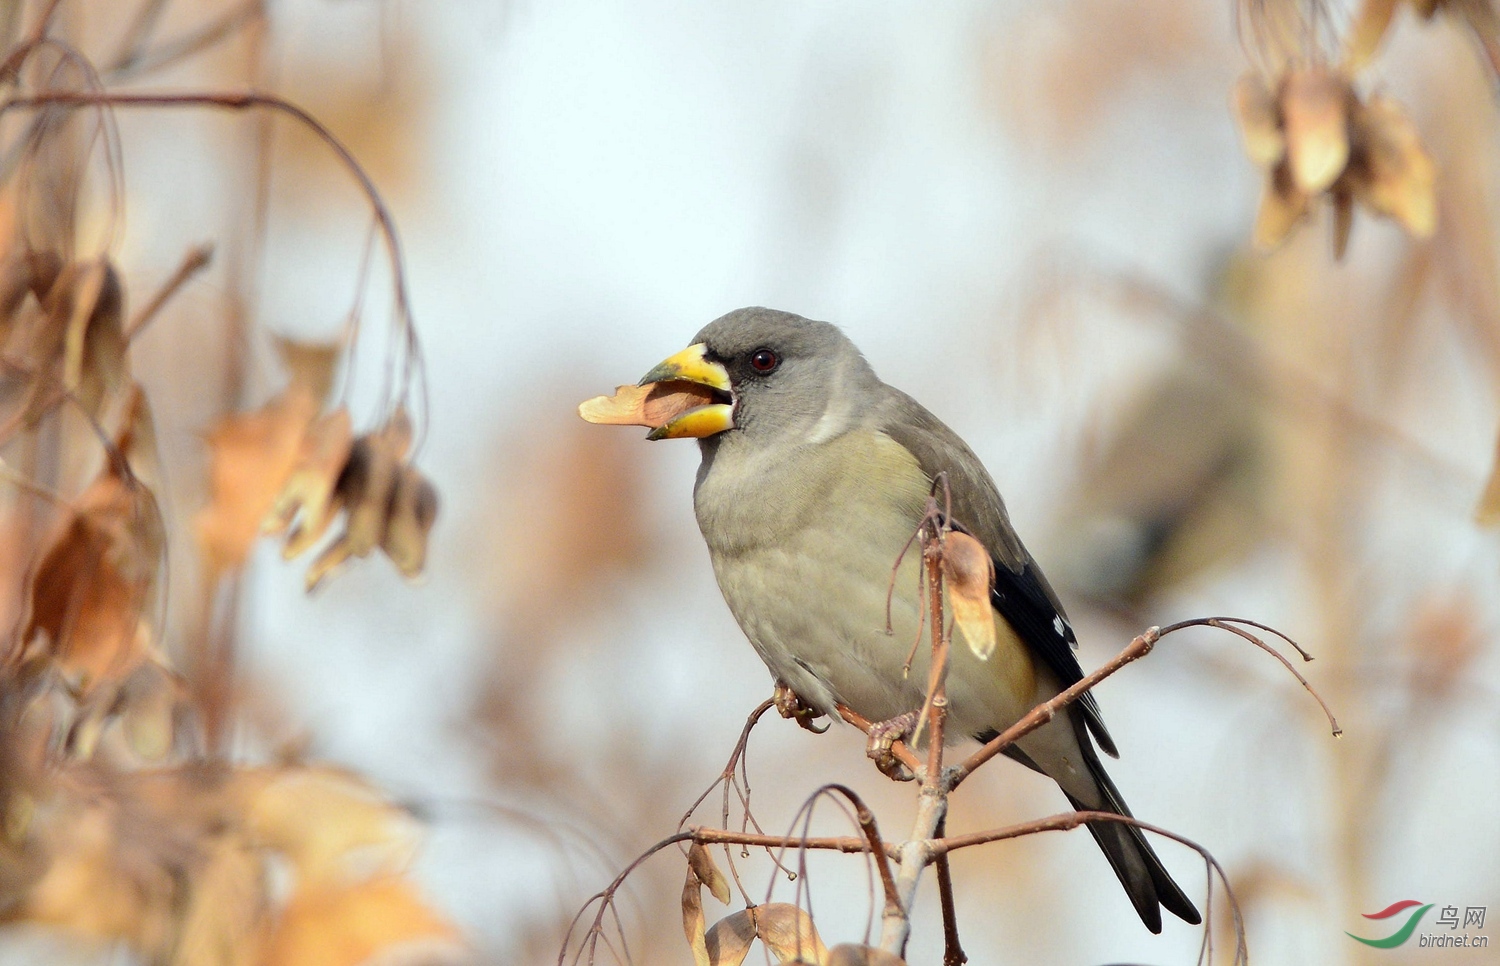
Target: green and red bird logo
[{"x": 1400, "y": 935}]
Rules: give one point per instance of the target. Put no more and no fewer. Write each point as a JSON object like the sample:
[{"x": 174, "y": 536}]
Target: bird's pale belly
[{"x": 819, "y": 621}]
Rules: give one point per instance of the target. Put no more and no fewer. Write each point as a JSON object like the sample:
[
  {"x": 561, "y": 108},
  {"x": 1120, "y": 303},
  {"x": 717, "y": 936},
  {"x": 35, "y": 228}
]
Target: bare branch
[
  {"x": 1137, "y": 649},
  {"x": 194, "y": 262},
  {"x": 1047, "y": 710},
  {"x": 259, "y": 101},
  {"x": 953, "y": 950}
]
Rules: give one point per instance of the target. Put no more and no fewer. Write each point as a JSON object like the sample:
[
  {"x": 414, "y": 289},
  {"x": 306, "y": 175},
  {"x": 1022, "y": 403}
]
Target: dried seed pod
[
  {"x": 413, "y": 510},
  {"x": 851, "y": 954},
  {"x": 707, "y": 872},
  {"x": 655, "y": 404},
  {"x": 969, "y": 574},
  {"x": 307, "y": 503},
  {"x": 366, "y": 487},
  {"x": 79, "y": 342},
  {"x": 1259, "y": 120},
  {"x": 1316, "y": 137},
  {"x": 1395, "y": 176},
  {"x": 1315, "y": 108}
]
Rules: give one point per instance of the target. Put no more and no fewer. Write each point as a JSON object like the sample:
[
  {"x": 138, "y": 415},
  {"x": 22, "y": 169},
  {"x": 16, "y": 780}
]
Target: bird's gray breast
[{"x": 804, "y": 540}]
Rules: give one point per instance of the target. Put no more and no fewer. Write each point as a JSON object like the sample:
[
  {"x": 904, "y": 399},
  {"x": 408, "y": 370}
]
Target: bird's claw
[
  {"x": 883, "y": 737},
  {"x": 789, "y": 704}
]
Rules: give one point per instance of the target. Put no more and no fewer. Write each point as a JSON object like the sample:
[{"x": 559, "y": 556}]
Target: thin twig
[
  {"x": 932, "y": 799},
  {"x": 44, "y": 22},
  {"x": 1137, "y": 649},
  {"x": 252, "y": 100},
  {"x": 1047, "y": 710},
  {"x": 194, "y": 262},
  {"x": 138, "y": 34},
  {"x": 830, "y": 843},
  {"x": 953, "y": 950},
  {"x": 1068, "y": 821},
  {"x": 139, "y": 58},
  {"x": 866, "y": 819},
  {"x": 1228, "y": 624}
]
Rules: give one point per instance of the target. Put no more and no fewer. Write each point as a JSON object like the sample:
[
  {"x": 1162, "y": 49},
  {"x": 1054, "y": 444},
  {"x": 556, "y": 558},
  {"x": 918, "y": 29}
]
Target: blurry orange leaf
[
  {"x": 1398, "y": 178},
  {"x": 1366, "y": 33},
  {"x": 306, "y": 503},
  {"x": 851, "y": 954},
  {"x": 1259, "y": 121},
  {"x": 369, "y": 481},
  {"x": 86, "y": 891},
  {"x": 348, "y": 926},
  {"x": 1445, "y": 638},
  {"x": 331, "y": 825},
  {"x": 91, "y": 590},
  {"x": 969, "y": 574},
  {"x": 388, "y": 504},
  {"x": 1368, "y": 152},
  {"x": 251, "y": 456},
  {"x": 227, "y": 906},
  {"x": 655, "y": 404}
]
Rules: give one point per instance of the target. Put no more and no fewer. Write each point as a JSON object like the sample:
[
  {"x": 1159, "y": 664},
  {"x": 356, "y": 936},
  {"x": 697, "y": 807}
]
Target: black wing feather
[{"x": 1025, "y": 601}]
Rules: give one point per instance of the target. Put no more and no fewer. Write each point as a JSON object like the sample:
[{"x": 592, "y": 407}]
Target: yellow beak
[{"x": 692, "y": 365}]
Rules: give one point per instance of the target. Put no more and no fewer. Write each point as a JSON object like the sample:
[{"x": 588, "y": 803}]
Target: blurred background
[{"x": 1035, "y": 218}]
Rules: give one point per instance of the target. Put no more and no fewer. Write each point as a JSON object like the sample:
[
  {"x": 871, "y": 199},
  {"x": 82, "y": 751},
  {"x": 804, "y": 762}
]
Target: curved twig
[{"x": 253, "y": 100}]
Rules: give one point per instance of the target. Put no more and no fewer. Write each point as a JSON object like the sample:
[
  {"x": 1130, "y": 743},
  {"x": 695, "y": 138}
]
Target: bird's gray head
[{"x": 786, "y": 377}]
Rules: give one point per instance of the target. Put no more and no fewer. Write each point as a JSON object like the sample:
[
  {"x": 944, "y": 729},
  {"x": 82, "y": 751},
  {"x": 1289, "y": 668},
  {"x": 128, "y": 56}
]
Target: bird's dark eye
[{"x": 764, "y": 360}]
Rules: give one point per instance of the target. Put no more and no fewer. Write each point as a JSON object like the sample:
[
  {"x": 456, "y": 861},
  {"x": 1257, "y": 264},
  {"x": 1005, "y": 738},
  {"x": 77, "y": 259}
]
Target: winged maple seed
[
  {"x": 1315, "y": 136},
  {"x": 77, "y": 342},
  {"x": 786, "y": 930},
  {"x": 968, "y": 576},
  {"x": 1374, "y": 19},
  {"x": 387, "y": 504},
  {"x": 286, "y": 469},
  {"x": 654, "y": 404},
  {"x": 252, "y": 454}
]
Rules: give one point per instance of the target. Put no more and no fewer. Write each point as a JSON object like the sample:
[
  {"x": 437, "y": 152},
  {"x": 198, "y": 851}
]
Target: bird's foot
[
  {"x": 789, "y": 704},
  {"x": 883, "y": 736}
]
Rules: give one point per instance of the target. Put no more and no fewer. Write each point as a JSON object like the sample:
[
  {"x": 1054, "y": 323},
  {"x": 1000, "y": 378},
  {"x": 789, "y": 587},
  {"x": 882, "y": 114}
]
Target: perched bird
[{"x": 815, "y": 475}]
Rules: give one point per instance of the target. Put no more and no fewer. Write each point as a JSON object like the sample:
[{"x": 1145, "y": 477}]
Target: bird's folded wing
[{"x": 1021, "y": 593}]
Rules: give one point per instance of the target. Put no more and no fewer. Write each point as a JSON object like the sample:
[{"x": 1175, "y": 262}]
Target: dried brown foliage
[{"x": 126, "y": 822}]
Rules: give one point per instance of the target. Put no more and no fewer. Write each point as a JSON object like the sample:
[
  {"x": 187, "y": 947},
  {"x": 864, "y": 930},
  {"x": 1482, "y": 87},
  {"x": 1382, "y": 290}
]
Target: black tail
[{"x": 1145, "y": 879}]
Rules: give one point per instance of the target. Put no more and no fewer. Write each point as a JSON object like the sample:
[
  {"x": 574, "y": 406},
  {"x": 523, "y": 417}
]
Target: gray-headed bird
[{"x": 815, "y": 476}]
